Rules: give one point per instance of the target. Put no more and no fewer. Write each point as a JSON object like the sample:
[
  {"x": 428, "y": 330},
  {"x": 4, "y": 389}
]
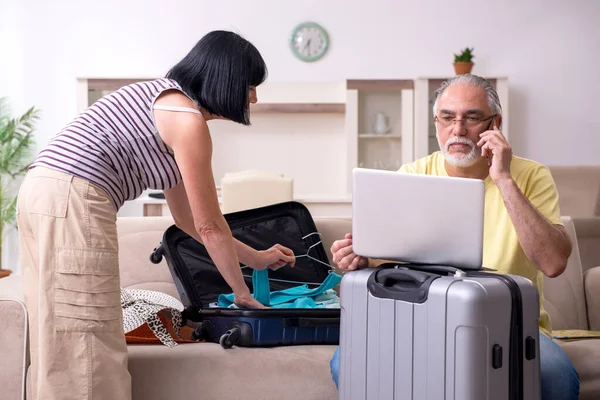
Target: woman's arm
[
  {"x": 179, "y": 206},
  {"x": 188, "y": 136}
]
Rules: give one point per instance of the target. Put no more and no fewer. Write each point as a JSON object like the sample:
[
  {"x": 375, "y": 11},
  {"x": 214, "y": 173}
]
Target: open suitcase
[
  {"x": 426, "y": 332},
  {"x": 199, "y": 283}
]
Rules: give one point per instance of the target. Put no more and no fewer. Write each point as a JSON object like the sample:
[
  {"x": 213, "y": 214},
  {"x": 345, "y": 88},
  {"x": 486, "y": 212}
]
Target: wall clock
[{"x": 309, "y": 41}]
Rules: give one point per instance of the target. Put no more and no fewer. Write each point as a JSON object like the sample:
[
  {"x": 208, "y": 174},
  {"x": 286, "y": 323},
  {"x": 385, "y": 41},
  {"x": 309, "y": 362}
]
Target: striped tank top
[{"x": 115, "y": 144}]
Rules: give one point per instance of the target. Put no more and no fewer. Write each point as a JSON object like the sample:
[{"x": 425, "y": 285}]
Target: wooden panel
[
  {"x": 298, "y": 108},
  {"x": 153, "y": 210},
  {"x": 370, "y": 84},
  {"x": 112, "y": 84}
]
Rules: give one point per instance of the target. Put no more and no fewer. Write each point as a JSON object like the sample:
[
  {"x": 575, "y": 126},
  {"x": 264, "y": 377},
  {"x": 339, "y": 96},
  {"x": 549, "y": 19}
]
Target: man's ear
[{"x": 498, "y": 121}]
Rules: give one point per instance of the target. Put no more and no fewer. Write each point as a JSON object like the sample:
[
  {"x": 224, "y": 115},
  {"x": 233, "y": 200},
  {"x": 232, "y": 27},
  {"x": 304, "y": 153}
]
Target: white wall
[{"x": 549, "y": 49}]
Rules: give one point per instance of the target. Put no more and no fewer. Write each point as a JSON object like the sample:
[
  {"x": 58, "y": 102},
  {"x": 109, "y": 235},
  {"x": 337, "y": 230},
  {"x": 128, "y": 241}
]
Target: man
[{"x": 523, "y": 232}]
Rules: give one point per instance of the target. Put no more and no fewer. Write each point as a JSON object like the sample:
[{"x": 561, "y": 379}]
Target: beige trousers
[{"x": 69, "y": 260}]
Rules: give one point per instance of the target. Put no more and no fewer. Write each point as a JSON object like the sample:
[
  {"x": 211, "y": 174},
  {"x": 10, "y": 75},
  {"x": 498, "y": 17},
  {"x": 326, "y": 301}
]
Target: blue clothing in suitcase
[{"x": 294, "y": 297}]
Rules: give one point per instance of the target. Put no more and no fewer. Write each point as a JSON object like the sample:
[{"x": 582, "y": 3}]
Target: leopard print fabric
[{"x": 142, "y": 307}]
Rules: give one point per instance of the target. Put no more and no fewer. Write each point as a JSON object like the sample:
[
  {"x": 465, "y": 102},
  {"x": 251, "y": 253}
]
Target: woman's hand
[
  {"x": 273, "y": 258},
  {"x": 245, "y": 300}
]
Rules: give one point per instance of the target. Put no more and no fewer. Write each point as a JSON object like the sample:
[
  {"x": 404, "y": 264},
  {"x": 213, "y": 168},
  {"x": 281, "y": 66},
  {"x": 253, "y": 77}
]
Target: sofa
[
  {"x": 579, "y": 197},
  {"x": 206, "y": 370}
]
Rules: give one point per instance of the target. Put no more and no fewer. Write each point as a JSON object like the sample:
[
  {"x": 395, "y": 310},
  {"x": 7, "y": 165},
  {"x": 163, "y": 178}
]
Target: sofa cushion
[
  {"x": 588, "y": 238},
  {"x": 564, "y": 297},
  {"x": 585, "y": 355},
  {"x": 137, "y": 238},
  {"x": 579, "y": 189},
  {"x": 207, "y": 371}
]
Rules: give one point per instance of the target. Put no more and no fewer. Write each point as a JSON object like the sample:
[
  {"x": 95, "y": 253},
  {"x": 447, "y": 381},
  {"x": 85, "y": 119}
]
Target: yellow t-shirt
[{"x": 501, "y": 249}]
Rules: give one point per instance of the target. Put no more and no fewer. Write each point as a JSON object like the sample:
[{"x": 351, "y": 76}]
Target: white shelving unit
[
  {"x": 317, "y": 132},
  {"x": 364, "y": 100}
]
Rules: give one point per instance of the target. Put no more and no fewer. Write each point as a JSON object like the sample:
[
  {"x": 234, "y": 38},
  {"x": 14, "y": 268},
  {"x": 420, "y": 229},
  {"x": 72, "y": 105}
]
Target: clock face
[{"x": 309, "y": 41}]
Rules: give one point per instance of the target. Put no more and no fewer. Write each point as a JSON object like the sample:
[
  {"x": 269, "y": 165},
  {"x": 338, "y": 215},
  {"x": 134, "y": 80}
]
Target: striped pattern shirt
[{"x": 115, "y": 144}]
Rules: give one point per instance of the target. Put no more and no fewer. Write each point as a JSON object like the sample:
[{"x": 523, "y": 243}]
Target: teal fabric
[
  {"x": 260, "y": 282},
  {"x": 295, "y": 297}
]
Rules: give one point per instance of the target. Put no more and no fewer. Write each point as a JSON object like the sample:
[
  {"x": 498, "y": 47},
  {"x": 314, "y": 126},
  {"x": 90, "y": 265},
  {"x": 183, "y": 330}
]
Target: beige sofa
[
  {"x": 203, "y": 370},
  {"x": 579, "y": 198}
]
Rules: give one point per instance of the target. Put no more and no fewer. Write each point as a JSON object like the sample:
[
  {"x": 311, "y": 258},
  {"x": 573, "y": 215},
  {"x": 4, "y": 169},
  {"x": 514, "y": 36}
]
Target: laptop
[{"x": 418, "y": 218}]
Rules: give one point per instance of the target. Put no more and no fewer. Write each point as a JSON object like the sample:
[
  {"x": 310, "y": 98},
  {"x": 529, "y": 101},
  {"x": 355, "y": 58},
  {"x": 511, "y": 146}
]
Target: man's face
[{"x": 463, "y": 113}]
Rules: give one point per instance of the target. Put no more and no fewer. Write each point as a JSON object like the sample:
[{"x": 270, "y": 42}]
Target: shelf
[
  {"x": 298, "y": 108},
  {"x": 379, "y": 85},
  {"x": 377, "y": 136},
  {"x": 110, "y": 84}
]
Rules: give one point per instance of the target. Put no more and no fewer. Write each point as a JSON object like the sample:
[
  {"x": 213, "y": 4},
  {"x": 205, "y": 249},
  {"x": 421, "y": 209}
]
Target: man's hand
[
  {"x": 499, "y": 153},
  {"x": 273, "y": 258},
  {"x": 344, "y": 257}
]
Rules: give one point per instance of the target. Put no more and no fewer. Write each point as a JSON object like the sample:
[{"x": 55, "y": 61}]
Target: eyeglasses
[{"x": 468, "y": 122}]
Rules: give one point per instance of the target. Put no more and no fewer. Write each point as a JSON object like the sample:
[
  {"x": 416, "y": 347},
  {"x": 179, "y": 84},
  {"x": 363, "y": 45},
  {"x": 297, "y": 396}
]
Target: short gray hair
[{"x": 471, "y": 80}]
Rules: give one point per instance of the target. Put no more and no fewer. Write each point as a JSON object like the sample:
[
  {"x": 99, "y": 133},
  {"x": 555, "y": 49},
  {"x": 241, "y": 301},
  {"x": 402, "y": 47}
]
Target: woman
[{"x": 146, "y": 135}]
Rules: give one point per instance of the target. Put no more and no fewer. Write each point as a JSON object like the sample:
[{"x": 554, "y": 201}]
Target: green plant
[
  {"x": 465, "y": 56},
  {"x": 16, "y": 145}
]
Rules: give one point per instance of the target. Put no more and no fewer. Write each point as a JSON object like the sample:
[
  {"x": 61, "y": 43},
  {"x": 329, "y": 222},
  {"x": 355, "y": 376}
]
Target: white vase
[{"x": 382, "y": 124}]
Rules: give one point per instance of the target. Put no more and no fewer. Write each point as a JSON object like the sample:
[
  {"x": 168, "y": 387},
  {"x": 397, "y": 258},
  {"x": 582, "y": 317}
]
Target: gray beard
[{"x": 460, "y": 160}]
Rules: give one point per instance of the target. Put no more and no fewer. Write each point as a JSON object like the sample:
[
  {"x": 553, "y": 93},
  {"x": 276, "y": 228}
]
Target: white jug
[{"x": 382, "y": 124}]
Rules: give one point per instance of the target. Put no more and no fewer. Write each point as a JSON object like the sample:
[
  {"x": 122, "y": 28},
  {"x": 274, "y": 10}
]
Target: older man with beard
[{"x": 523, "y": 232}]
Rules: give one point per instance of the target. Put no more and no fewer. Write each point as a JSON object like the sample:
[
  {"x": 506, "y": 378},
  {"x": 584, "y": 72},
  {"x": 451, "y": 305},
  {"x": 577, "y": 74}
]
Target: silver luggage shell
[{"x": 455, "y": 344}]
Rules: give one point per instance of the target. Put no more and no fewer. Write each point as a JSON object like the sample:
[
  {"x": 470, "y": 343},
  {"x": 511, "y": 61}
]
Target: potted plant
[
  {"x": 16, "y": 145},
  {"x": 463, "y": 62}
]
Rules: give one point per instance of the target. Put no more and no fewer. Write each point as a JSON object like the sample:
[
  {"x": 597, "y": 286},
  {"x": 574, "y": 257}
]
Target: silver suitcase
[{"x": 438, "y": 334}]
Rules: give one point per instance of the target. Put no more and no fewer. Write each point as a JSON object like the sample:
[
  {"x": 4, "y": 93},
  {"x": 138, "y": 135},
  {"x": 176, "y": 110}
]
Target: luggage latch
[{"x": 497, "y": 356}]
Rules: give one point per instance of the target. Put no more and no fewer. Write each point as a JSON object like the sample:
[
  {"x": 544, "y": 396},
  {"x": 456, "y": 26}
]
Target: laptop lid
[{"x": 418, "y": 218}]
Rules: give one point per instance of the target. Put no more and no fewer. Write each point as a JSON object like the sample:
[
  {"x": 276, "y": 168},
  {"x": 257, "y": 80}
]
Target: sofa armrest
[
  {"x": 591, "y": 279},
  {"x": 13, "y": 338},
  {"x": 12, "y": 287}
]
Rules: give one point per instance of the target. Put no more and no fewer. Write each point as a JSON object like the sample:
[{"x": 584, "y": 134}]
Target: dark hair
[{"x": 217, "y": 73}]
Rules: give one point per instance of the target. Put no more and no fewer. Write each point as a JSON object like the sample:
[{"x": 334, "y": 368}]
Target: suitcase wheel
[
  {"x": 229, "y": 338},
  {"x": 200, "y": 331}
]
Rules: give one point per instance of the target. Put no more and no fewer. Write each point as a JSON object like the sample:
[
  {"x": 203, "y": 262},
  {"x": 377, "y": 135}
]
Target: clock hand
[{"x": 307, "y": 44}]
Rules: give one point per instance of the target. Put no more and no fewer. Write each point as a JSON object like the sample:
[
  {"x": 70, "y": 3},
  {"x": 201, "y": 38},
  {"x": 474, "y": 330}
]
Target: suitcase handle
[
  {"x": 440, "y": 269},
  {"x": 399, "y": 284},
  {"x": 157, "y": 254},
  {"x": 309, "y": 322}
]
